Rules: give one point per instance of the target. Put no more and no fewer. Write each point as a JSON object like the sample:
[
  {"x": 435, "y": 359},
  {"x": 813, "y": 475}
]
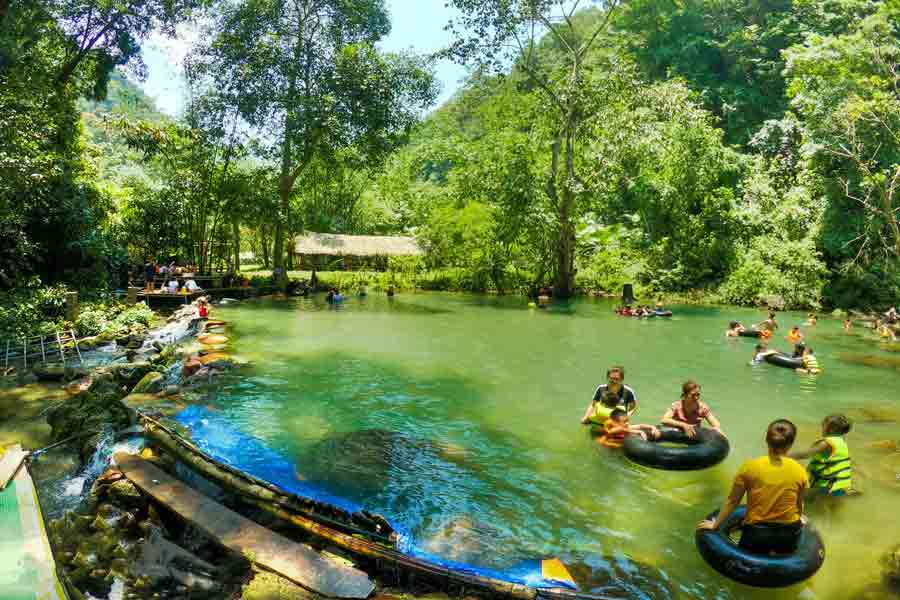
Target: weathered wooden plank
[
  {"x": 297, "y": 562},
  {"x": 10, "y": 462}
]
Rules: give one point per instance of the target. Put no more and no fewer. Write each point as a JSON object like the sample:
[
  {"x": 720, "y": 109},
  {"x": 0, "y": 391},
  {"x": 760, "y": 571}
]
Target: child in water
[
  {"x": 810, "y": 363},
  {"x": 794, "y": 336},
  {"x": 830, "y": 471},
  {"x": 602, "y": 409},
  {"x": 811, "y": 321},
  {"x": 616, "y": 428},
  {"x": 847, "y": 324}
]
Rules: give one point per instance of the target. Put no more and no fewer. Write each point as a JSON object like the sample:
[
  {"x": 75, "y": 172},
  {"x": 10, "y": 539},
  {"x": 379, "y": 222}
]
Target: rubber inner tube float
[
  {"x": 708, "y": 448},
  {"x": 754, "y": 333},
  {"x": 783, "y": 360},
  {"x": 663, "y": 313},
  {"x": 759, "y": 570}
]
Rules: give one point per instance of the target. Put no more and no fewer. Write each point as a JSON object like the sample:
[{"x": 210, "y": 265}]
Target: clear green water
[{"x": 509, "y": 473}]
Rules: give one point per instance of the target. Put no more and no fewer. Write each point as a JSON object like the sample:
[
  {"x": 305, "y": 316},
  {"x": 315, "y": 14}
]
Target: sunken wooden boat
[{"x": 361, "y": 533}]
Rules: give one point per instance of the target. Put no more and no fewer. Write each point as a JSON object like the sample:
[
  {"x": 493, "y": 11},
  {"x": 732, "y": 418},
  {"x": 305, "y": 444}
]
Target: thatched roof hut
[
  {"x": 350, "y": 252},
  {"x": 329, "y": 244}
]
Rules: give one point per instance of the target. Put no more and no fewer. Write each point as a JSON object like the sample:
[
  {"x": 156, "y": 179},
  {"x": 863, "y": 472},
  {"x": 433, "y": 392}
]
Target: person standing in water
[{"x": 615, "y": 377}]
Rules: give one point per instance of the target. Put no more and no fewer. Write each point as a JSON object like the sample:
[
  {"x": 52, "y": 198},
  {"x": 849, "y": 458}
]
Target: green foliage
[
  {"x": 792, "y": 270},
  {"x": 112, "y": 317},
  {"x": 731, "y": 51}
]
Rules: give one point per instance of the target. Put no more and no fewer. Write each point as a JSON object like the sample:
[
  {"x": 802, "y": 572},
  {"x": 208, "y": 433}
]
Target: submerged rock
[
  {"x": 464, "y": 540},
  {"x": 360, "y": 464},
  {"x": 890, "y": 566},
  {"x": 874, "y": 414},
  {"x": 870, "y": 360}
]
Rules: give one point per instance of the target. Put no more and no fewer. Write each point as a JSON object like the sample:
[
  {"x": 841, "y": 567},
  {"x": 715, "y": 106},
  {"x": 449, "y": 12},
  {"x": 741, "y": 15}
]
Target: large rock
[
  {"x": 85, "y": 412},
  {"x": 129, "y": 374},
  {"x": 49, "y": 372},
  {"x": 151, "y": 383},
  {"x": 125, "y": 494}
]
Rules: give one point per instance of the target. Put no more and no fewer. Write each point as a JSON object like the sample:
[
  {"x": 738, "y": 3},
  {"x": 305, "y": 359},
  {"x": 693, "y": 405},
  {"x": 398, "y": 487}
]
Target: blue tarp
[{"x": 213, "y": 434}]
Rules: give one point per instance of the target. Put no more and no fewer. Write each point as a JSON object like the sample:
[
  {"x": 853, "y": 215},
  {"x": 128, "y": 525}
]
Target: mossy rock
[
  {"x": 129, "y": 374},
  {"x": 890, "y": 566},
  {"x": 49, "y": 372},
  {"x": 268, "y": 586},
  {"x": 870, "y": 360},
  {"x": 151, "y": 383},
  {"x": 874, "y": 414},
  {"x": 125, "y": 494},
  {"x": 134, "y": 400}
]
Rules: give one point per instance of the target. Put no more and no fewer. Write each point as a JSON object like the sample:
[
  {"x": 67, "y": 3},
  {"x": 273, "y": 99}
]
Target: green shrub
[
  {"x": 792, "y": 270},
  {"x": 137, "y": 314}
]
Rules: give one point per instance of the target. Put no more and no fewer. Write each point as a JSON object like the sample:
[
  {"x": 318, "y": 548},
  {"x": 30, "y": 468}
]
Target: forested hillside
[{"x": 745, "y": 149}]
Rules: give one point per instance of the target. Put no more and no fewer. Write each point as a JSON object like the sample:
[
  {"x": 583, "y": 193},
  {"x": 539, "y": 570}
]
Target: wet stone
[
  {"x": 268, "y": 586},
  {"x": 151, "y": 383},
  {"x": 124, "y": 493}
]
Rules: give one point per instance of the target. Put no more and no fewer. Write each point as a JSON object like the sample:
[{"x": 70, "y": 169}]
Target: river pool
[{"x": 466, "y": 412}]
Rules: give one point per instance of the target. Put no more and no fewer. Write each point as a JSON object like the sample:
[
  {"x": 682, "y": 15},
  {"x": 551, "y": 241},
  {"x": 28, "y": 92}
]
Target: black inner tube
[
  {"x": 750, "y": 333},
  {"x": 783, "y": 360},
  {"x": 758, "y": 570},
  {"x": 707, "y": 449},
  {"x": 663, "y": 313}
]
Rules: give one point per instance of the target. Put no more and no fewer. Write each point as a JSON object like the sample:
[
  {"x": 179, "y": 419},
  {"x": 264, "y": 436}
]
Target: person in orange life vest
[{"x": 616, "y": 428}]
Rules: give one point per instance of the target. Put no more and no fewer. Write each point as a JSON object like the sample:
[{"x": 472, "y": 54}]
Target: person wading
[{"x": 615, "y": 378}]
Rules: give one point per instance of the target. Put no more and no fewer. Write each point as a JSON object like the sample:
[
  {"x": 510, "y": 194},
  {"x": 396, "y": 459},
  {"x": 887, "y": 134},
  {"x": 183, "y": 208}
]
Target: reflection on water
[{"x": 458, "y": 420}]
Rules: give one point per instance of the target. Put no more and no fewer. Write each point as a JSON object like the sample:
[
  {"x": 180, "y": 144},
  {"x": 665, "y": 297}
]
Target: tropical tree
[
  {"x": 564, "y": 76},
  {"x": 306, "y": 75}
]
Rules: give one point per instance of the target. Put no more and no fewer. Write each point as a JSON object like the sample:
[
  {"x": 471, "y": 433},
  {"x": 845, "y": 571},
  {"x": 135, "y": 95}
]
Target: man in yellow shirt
[{"x": 774, "y": 485}]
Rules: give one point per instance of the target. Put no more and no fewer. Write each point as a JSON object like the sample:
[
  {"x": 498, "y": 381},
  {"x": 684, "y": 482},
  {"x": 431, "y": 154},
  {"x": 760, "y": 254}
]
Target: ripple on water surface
[{"x": 457, "y": 418}]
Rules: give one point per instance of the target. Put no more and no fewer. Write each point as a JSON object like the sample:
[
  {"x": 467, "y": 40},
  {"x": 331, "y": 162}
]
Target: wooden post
[
  {"x": 72, "y": 306},
  {"x": 43, "y": 356},
  {"x": 25, "y": 353},
  {"x": 6, "y": 362},
  {"x": 77, "y": 349},
  {"x": 132, "y": 294},
  {"x": 62, "y": 352}
]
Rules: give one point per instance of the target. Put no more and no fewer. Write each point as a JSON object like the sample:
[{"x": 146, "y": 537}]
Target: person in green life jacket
[
  {"x": 810, "y": 362},
  {"x": 830, "y": 468},
  {"x": 599, "y": 409}
]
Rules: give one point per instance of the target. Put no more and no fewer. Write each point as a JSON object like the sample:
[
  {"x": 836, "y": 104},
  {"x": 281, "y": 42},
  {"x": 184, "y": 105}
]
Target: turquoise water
[{"x": 457, "y": 417}]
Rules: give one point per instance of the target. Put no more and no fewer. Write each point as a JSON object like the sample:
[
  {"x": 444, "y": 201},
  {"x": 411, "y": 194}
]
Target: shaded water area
[{"x": 457, "y": 417}]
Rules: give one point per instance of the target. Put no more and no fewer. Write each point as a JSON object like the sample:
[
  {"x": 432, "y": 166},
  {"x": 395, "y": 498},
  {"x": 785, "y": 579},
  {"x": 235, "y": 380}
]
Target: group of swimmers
[
  {"x": 809, "y": 362},
  {"x": 640, "y": 311},
  {"x": 775, "y": 484},
  {"x": 334, "y": 295}
]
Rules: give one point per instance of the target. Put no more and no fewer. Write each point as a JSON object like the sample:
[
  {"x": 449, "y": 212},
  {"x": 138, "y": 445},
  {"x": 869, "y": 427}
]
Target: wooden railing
[{"x": 51, "y": 348}]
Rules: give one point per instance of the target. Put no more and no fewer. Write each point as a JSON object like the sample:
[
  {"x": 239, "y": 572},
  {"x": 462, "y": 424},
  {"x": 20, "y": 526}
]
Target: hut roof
[{"x": 356, "y": 245}]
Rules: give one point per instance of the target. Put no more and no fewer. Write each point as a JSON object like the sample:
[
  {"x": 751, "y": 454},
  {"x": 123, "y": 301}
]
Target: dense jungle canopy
[{"x": 741, "y": 149}]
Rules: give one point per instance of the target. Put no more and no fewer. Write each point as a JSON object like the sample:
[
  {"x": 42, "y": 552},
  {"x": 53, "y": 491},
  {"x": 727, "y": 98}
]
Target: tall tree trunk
[
  {"x": 236, "y": 233},
  {"x": 264, "y": 242},
  {"x": 564, "y": 285}
]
